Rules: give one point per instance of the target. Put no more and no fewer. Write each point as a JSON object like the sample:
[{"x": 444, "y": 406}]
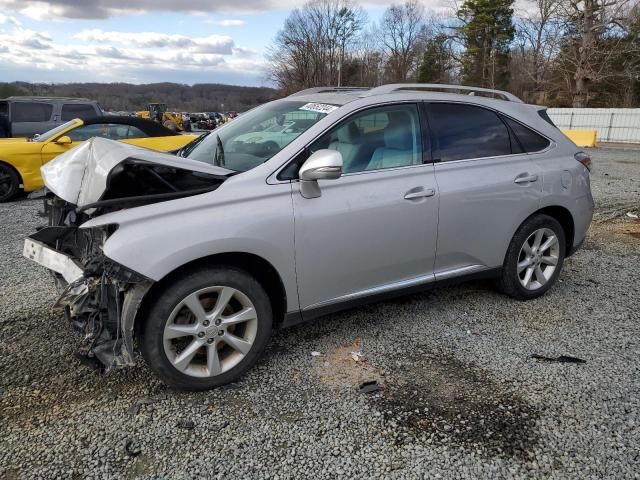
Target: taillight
[{"x": 584, "y": 159}]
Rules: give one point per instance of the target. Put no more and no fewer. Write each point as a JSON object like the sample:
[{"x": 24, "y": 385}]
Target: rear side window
[
  {"x": 530, "y": 140},
  {"x": 77, "y": 110},
  {"x": 31, "y": 112},
  {"x": 466, "y": 131},
  {"x": 545, "y": 116},
  {"x": 3, "y": 108}
]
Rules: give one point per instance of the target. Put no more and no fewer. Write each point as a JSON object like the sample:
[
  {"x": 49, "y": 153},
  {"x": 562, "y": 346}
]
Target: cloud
[
  {"x": 35, "y": 44},
  {"x": 7, "y": 20},
  {"x": 230, "y": 23},
  {"x": 99, "y": 9},
  {"x": 100, "y": 55},
  {"x": 112, "y": 52},
  {"x": 212, "y": 44}
]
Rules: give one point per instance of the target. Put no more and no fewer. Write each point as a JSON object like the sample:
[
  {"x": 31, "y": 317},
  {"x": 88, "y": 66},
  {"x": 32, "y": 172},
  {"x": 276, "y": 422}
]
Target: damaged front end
[{"x": 101, "y": 297}]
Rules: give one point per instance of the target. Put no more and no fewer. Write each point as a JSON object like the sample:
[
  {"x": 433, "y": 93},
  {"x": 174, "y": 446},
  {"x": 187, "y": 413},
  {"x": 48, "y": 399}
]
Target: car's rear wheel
[
  {"x": 534, "y": 258},
  {"x": 207, "y": 328},
  {"x": 9, "y": 183}
]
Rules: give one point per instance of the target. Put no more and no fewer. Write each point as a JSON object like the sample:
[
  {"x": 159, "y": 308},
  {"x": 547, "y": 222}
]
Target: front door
[{"x": 375, "y": 228}]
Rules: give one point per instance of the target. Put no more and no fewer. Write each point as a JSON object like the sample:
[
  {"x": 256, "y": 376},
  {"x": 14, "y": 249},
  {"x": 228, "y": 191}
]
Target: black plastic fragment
[
  {"x": 92, "y": 362},
  {"x": 131, "y": 449},
  {"x": 369, "y": 387},
  {"x": 186, "y": 424},
  {"x": 560, "y": 359}
]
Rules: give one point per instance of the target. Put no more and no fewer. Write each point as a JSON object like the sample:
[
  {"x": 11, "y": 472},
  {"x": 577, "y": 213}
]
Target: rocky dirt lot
[{"x": 461, "y": 396}]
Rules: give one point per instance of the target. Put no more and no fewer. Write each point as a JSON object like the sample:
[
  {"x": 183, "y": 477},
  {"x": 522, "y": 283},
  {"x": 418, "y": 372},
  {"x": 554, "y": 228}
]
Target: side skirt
[{"x": 297, "y": 317}]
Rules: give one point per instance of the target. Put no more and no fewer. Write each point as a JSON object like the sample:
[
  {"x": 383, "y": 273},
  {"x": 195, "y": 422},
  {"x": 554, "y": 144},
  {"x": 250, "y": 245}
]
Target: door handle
[
  {"x": 526, "y": 178},
  {"x": 419, "y": 192}
]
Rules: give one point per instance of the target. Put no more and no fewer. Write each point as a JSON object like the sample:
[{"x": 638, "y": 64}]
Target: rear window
[
  {"x": 530, "y": 140},
  {"x": 466, "y": 131},
  {"x": 77, "y": 110},
  {"x": 31, "y": 112},
  {"x": 3, "y": 108}
]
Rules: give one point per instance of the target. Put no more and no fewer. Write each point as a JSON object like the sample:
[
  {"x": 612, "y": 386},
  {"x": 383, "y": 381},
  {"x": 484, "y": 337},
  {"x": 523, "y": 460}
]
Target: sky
[{"x": 144, "y": 41}]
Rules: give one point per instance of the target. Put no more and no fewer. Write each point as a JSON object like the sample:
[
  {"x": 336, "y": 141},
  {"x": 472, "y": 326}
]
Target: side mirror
[
  {"x": 64, "y": 140},
  {"x": 321, "y": 165}
]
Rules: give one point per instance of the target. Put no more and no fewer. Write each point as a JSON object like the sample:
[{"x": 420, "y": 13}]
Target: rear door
[
  {"x": 31, "y": 118},
  {"x": 488, "y": 186}
]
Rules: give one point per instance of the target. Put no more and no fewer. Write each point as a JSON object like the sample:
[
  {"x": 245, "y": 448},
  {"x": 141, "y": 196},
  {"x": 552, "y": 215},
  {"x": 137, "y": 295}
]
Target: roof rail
[
  {"x": 395, "y": 87},
  {"x": 311, "y": 91}
]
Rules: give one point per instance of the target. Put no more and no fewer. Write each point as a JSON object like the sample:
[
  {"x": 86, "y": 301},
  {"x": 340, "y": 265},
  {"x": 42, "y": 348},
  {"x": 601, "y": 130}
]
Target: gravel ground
[{"x": 461, "y": 396}]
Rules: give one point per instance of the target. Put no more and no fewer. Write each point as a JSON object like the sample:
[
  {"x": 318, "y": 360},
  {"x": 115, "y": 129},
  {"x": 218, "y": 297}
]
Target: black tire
[
  {"x": 9, "y": 183},
  {"x": 151, "y": 337},
  {"x": 509, "y": 281}
]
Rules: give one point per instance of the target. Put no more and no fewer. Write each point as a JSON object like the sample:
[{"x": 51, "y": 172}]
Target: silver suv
[{"x": 198, "y": 256}]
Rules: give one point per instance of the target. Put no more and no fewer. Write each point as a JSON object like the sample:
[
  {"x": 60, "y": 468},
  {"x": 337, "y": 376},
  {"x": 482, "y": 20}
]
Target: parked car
[
  {"x": 21, "y": 158},
  {"x": 274, "y": 135},
  {"x": 388, "y": 191},
  {"x": 31, "y": 116}
]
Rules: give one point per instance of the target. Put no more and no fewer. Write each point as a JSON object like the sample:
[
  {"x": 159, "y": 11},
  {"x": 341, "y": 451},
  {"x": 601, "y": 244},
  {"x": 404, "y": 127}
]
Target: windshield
[
  {"x": 255, "y": 137},
  {"x": 53, "y": 132}
]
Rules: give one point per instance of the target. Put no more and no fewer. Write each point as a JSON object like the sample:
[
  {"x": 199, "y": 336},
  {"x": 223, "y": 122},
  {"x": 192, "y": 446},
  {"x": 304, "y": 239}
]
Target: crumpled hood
[{"x": 80, "y": 175}]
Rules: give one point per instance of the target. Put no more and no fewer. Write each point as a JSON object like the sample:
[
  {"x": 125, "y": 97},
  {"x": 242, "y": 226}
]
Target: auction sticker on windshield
[{"x": 319, "y": 107}]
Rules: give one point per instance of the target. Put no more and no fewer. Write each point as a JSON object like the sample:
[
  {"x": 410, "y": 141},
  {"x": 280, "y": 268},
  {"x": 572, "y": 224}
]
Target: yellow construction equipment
[
  {"x": 158, "y": 113},
  {"x": 582, "y": 138}
]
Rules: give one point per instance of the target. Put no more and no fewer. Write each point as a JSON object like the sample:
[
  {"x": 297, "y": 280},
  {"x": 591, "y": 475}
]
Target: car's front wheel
[
  {"x": 206, "y": 329},
  {"x": 9, "y": 183},
  {"x": 534, "y": 258}
]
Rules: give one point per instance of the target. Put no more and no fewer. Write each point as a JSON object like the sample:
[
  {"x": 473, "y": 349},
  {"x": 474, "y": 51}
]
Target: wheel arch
[
  {"x": 259, "y": 268},
  {"x": 564, "y": 218},
  {"x": 12, "y": 167},
  {"x": 566, "y": 221}
]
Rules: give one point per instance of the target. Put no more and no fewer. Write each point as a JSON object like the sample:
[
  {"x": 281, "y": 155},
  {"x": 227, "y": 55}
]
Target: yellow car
[{"x": 21, "y": 158}]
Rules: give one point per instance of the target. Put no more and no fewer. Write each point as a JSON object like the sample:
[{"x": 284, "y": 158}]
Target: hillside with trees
[
  {"x": 129, "y": 97},
  {"x": 555, "y": 52}
]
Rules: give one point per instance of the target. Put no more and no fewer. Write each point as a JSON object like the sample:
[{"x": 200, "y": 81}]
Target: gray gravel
[{"x": 460, "y": 397}]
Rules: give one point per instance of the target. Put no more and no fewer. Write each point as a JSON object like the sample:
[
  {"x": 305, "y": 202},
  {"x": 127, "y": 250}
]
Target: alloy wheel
[
  {"x": 210, "y": 331},
  {"x": 538, "y": 259}
]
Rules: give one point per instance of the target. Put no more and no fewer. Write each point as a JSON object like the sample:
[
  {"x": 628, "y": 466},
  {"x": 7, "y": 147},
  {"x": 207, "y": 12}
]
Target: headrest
[
  {"x": 398, "y": 137},
  {"x": 349, "y": 133}
]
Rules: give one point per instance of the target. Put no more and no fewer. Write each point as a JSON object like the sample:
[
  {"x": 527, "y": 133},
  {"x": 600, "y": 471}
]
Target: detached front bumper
[
  {"x": 53, "y": 260},
  {"x": 101, "y": 298}
]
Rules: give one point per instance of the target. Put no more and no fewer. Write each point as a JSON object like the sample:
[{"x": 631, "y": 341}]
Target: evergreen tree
[
  {"x": 487, "y": 32},
  {"x": 436, "y": 61}
]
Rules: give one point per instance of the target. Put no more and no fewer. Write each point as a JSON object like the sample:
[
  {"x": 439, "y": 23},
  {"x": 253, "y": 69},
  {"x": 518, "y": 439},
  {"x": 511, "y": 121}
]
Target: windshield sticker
[{"x": 319, "y": 108}]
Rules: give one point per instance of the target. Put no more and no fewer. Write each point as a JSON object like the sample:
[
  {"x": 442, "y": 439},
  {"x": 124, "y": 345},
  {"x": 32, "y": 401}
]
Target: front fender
[{"x": 154, "y": 240}]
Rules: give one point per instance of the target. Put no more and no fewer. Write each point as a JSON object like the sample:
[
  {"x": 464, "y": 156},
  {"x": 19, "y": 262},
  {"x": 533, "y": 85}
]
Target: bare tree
[
  {"x": 595, "y": 34},
  {"x": 311, "y": 47},
  {"x": 402, "y": 31},
  {"x": 539, "y": 29}
]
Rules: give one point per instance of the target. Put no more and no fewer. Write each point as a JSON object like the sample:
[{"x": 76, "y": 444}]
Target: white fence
[{"x": 612, "y": 124}]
